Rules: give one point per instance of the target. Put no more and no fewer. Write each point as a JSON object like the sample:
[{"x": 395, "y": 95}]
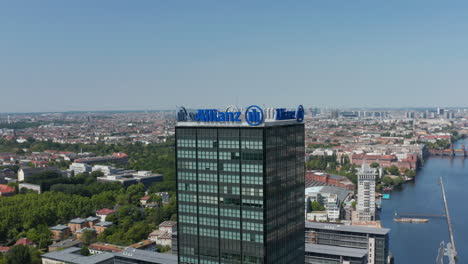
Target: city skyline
[{"x": 62, "y": 56}]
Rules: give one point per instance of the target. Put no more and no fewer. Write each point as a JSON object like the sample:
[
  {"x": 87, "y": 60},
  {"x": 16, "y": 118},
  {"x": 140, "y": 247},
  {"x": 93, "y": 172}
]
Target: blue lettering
[
  {"x": 221, "y": 117},
  {"x": 236, "y": 117}
]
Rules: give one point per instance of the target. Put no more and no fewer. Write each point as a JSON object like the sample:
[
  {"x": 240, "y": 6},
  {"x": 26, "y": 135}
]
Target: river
[{"x": 419, "y": 243}]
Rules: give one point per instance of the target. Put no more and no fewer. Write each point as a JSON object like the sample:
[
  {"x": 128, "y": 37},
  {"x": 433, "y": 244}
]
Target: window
[
  {"x": 190, "y": 143},
  {"x": 230, "y": 224},
  {"x": 211, "y": 166},
  {"x": 207, "y": 155},
  {"x": 189, "y": 165},
  {"x": 247, "y": 144},
  {"x": 232, "y": 144},
  {"x": 189, "y": 154},
  {"x": 256, "y": 168},
  {"x": 229, "y": 178},
  {"x": 252, "y": 180},
  {"x": 230, "y": 167}
]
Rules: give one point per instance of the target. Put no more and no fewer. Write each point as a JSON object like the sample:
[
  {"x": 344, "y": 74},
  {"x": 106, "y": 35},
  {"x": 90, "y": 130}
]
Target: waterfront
[{"x": 418, "y": 243}]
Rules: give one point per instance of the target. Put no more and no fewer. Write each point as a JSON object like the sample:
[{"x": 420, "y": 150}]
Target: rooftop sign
[{"x": 253, "y": 115}]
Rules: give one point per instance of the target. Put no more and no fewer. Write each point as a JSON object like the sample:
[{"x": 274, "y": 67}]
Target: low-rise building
[
  {"x": 67, "y": 243},
  {"x": 30, "y": 186},
  {"x": 25, "y": 172},
  {"x": 6, "y": 190},
  {"x": 331, "y": 254},
  {"x": 72, "y": 255},
  {"x": 135, "y": 256},
  {"x": 102, "y": 226},
  {"x": 60, "y": 232},
  {"x": 76, "y": 224},
  {"x": 80, "y": 168},
  {"x": 79, "y": 233},
  {"x": 99, "y": 247},
  {"x": 91, "y": 221},
  {"x": 25, "y": 242},
  {"x": 147, "y": 244},
  {"x": 103, "y": 213},
  {"x": 374, "y": 240}
]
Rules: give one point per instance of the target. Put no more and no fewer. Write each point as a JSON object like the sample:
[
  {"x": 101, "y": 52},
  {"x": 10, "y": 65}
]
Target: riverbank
[{"x": 424, "y": 196}]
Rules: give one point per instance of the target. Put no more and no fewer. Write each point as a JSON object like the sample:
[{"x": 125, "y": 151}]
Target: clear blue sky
[{"x": 98, "y": 55}]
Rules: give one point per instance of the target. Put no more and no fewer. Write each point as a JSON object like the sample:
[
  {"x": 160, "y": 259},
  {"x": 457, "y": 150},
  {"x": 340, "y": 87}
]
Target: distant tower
[
  {"x": 9, "y": 121},
  {"x": 366, "y": 193}
]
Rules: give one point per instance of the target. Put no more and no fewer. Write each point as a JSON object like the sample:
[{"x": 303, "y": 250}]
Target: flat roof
[
  {"x": 71, "y": 255},
  {"x": 148, "y": 256},
  {"x": 336, "y": 251},
  {"x": 347, "y": 228}
]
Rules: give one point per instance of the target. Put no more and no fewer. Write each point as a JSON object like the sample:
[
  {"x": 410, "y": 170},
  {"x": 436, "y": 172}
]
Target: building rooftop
[
  {"x": 104, "y": 223},
  {"x": 150, "y": 257},
  {"x": 72, "y": 255},
  {"x": 92, "y": 219},
  {"x": 59, "y": 227},
  {"x": 336, "y": 251},
  {"x": 66, "y": 243},
  {"x": 346, "y": 228},
  {"x": 77, "y": 221},
  {"x": 341, "y": 193},
  {"x": 105, "y": 211}
]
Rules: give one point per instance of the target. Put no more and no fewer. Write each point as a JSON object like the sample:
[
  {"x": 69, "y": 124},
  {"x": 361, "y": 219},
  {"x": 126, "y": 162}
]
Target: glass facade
[{"x": 240, "y": 194}]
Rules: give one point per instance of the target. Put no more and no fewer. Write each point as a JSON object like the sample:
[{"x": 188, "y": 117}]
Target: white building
[
  {"x": 366, "y": 193},
  {"x": 80, "y": 168}
]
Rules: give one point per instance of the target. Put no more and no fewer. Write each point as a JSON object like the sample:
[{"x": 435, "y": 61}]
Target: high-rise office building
[
  {"x": 366, "y": 193},
  {"x": 240, "y": 178}
]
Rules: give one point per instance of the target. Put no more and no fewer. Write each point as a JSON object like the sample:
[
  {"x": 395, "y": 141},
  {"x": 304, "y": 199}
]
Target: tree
[
  {"x": 353, "y": 204},
  {"x": 397, "y": 181},
  {"x": 316, "y": 206},
  {"x": 387, "y": 180},
  {"x": 88, "y": 237},
  {"x": 394, "y": 170},
  {"x": 410, "y": 173},
  {"x": 85, "y": 251},
  {"x": 19, "y": 255},
  {"x": 374, "y": 165}
]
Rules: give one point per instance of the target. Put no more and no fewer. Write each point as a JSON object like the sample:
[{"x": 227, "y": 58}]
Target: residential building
[
  {"x": 92, "y": 221},
  {"x": 168, "y": 226},
  {"x": 25, "y": 242},
  {"x": 60, "y": 232},
  {"x": 103, "y": 213},
  {"x": 241, "y": 187},
  {"x": 76, "y": 224},
  {"x": 374, "y": 240},
  {"x": 6, "y": 190},
  {"x": 102, "y": 226},
  {"x": 366, "y": 193}
]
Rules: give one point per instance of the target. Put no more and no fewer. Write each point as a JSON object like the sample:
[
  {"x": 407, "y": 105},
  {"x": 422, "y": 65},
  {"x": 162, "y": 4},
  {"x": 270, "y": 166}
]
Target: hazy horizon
[{"x": 60, "y": 56}]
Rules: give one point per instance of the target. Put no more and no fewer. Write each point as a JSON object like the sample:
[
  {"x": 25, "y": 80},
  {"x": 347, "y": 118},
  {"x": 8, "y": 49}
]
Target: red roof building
[
  {"x": 4, "y": 249},
  {"x": 6, "y": 190},
  {"x": 25, "y": 242}
]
